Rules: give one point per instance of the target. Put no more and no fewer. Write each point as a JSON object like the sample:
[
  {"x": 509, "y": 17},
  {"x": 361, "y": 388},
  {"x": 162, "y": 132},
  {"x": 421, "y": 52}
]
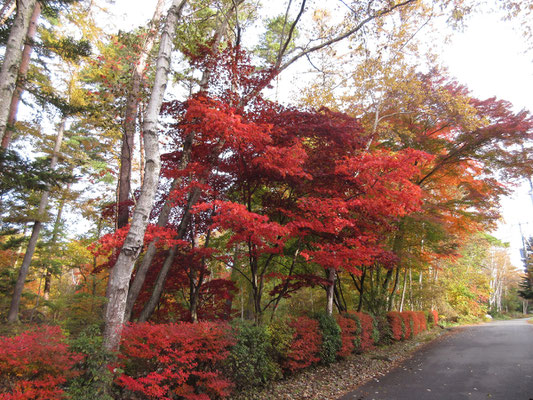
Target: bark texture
[
  {"x": 23, "y": 71},
  {"x": 130, "y": 119},
  {"x": 12, "y": 58},
  {"x": 120, "y": 275},
  {"x": 330, "y": 290}
]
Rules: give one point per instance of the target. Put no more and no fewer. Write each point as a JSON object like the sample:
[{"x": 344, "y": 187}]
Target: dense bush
[
  {"x": 396, "y": 324},
  {"x": 250, "y": 361},
  {"x": 407, "y": 324},
  {"x": 94, "y": 375},
  {"x": 350, "y": 330},
  {"x": 435, "y": 317},
  {"x": 35, "y": 365},
  {"x": 331, "y": 337},
  {"x": 375, "y": 330},
  {"x": 306, "y": 344},
  {"x": 422, "y": 320},
  {"x": 367, "y": 335},
  {"x": 281, "y": 335},
  {"x": 168, "y": 360},
  {"x": 429, "y": 319},
  {"x": 414, "y": 322},
  {"x": 384, "y": 331}
]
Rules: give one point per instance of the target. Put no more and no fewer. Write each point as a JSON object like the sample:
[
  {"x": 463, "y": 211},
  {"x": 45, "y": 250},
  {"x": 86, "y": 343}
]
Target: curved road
[{"x": 490, "y": 361}]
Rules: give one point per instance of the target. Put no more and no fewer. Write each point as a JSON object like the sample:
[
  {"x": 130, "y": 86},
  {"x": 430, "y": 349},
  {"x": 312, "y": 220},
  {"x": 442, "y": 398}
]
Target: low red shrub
[
  {"x": 34, "y": 365},
  {"x": 162, "y": 361},
  {"x": 406, "y": 318},
  {"x": 435, "y": 315},
  {"x": 422, "y": 320},
  {"x": 396, "y": 325},
  {"x": 367, "y": 327},
  {"x": 306, "y": 343},
  {"x": 414, "y": 322},
  {"x": 349, "y": 332}
]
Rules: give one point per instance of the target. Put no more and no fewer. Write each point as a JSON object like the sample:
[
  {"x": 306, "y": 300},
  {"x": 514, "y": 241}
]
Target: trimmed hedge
[
  {"x": 250, "y": 361},
  {"x": 195, "y": 361},
  {"x": 366, "y": 334},
  {"x": 305, "y": 346},
  {"x": 397, "y": 325},
  {"x": 159, "y": 361},
  {"x": 350, "y": 329},
  {"x": 331, "y": 338}
]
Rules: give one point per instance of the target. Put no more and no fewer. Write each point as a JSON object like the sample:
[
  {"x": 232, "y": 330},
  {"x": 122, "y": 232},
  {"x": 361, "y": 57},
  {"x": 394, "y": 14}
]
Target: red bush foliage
[
  {"x": 305, "y": 347},
  {"x": 406, "y": 318},
  {"x": 422, "y": 320},
  {"x": 34, "y": 365},
  {"x": 415, "y": 322},
  {"x": 162, "y": 361},
  {"x": 395, "y": 322},
  {"x": 349, "y": 333},
  {"x": 367, "y": 326}
]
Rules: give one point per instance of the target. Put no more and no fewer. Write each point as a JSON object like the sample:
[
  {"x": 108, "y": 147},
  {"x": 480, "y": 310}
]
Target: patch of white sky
[{"x": 488, "y": 56}]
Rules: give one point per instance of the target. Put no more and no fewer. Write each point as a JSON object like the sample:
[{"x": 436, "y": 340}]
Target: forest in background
[{"x": 164, "y": 174}]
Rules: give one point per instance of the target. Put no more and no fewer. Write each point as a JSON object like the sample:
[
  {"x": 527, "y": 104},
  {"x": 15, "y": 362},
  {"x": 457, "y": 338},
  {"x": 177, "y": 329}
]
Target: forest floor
[{"x": 331, "y": 382}]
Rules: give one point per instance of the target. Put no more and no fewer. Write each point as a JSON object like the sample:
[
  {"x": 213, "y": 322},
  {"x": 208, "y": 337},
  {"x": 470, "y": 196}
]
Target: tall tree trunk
[
  {"x": 410, "y": 288},
  {"x": 360, "y": 288},
  {"x": 196, "y": 284},
  {"x": 394, "y": 286},
  {"x": 233, "y": 277},
  {"x": 330, "y": 291},
  {"x": 120, "y": 275},
  {"x": 141, "y": 145},
  {"x": 12, "y": 59},
  {"x": 403, "y": 290},
  {"x": 159, "y": 285},
  {"x": 25, "y": 267},
  {"x": 130, "y": 118},
  {"x": 23, "y": 71},
  {"x": 7, "y": 9},
  {"x": 53, "y": 241},
  {"x": 142, "y": 270}
]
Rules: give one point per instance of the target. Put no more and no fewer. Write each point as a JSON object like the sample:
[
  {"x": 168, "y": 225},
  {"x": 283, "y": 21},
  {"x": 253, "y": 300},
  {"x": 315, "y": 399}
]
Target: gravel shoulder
[{"x": 329, "y": 383}]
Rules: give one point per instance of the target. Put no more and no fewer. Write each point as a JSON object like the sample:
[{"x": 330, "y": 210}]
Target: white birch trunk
[
  {"x": 130, "y": 119},
  {"x": 330, "y": 291},
  {"x": 23, "y": 72},
  {"x": 120, "y": 275},
  {"x": 12, "y": 58},
  {"x": 142, "y": 270}
]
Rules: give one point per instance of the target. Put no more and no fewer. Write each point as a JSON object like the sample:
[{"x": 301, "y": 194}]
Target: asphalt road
[{"x": 490, "y": 361}]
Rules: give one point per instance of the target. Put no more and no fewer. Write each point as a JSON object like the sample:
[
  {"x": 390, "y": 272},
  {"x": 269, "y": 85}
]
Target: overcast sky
[{"x": 488, "y": 57}]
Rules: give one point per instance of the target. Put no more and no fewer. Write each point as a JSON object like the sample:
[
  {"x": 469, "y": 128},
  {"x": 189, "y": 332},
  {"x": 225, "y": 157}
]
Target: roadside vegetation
[{"x": 174, "y": 224}]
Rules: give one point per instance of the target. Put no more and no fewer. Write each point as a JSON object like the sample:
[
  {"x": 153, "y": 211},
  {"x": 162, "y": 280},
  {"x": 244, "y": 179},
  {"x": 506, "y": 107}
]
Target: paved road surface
[{"x": 491, "y": 361}]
